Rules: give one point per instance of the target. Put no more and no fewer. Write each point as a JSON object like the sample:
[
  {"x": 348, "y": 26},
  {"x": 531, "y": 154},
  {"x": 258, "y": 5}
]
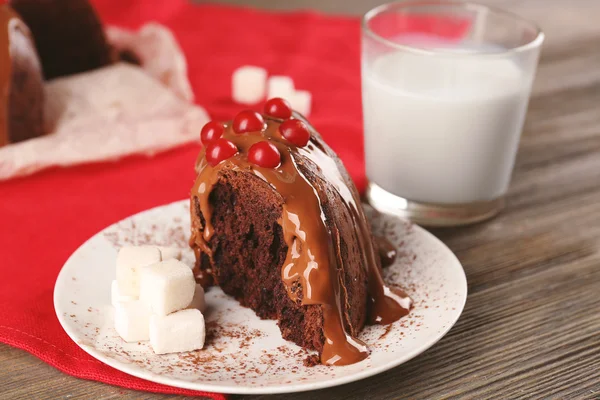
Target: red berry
[
  {"x": 264, "y": 154},
  {"x": 248, "y": 121},
  {"x": 212, "y": 131},
  {"x": 295, "y": 131},
  {"x": 220, "y": 150},
  {"x": 278, "y": 108}
]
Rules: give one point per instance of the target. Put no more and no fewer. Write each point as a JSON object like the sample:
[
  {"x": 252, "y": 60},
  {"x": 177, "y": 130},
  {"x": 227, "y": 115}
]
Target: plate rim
[{"x": 229, "y": 389}]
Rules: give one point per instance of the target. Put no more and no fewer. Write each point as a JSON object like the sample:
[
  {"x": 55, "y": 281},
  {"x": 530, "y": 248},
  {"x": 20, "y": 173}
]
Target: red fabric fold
[{"x": 45, "y": 217}]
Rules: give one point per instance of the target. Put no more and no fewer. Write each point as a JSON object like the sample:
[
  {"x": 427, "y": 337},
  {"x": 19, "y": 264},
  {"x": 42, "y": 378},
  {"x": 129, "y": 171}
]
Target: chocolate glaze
[
  {"x": 8, "y": 20},
  {"x": 311, "y": 258},
  {"x": 387, "y": 251}
]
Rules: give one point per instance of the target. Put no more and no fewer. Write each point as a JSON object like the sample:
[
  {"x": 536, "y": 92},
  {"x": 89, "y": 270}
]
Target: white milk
[{"x": 443, "y": 129}]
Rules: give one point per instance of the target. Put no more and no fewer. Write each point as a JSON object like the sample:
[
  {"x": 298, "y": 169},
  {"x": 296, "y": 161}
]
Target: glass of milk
[{"x": 445, "y": 88}]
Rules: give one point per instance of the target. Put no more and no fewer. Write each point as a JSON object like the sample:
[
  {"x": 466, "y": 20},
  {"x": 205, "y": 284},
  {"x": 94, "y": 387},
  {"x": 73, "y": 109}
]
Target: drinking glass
[{"x": 445, "y": 88}]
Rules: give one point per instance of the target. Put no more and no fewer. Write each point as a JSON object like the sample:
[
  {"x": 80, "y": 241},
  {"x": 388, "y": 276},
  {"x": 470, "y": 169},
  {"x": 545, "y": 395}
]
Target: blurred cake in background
[
  {"x": 87, "y": 92},
  {"x": 68, "y": 34},
  {"x": 41, "y": 40},
  {"x": 21, "y": 81}
]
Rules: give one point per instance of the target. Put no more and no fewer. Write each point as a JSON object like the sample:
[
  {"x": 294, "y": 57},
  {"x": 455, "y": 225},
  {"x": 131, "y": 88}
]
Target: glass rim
[{"x": 531, "y": 45}]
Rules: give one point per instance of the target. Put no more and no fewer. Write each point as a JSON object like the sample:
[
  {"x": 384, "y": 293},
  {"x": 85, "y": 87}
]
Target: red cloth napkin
[{"x": 45, "y": 217}]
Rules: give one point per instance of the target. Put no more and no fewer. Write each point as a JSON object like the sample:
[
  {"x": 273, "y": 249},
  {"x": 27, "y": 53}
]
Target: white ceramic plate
[{"x": 244, "y": 354}]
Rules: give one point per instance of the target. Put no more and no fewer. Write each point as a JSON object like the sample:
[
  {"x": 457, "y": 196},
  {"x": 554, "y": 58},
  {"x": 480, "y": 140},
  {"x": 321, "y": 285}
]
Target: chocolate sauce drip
[
  {"x": 387, "y": 251},
  {"x": 203, "y": 277},
  {"x": 311, "y": 241}
]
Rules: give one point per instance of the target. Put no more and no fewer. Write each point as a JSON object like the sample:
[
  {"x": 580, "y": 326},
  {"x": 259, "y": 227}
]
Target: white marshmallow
[
  {"x": 249, "y": 84},
  {"x": 129, "y": 261},
  {"x": 132, "y": 320},
  {"x": 167, "y": 286},
  {"x": 180, "y": 331},
  {"x": 301, "y": 102},
  {"x": 116, "y": 297},
  {"x": 167, "y": 253},
  {"x": 198, "y": 301},
  {"x": 280, "y": 86}
]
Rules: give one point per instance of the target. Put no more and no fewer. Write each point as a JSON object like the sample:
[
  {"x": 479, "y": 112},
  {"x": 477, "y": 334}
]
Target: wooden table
[{"x": 531, "y": 326}]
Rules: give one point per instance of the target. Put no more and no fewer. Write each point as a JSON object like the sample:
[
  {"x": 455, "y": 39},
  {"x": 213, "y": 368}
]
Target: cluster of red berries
[{"x": 264, "y": 153}]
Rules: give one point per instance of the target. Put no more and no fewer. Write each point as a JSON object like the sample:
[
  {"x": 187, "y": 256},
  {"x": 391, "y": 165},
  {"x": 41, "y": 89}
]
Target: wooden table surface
[{"x": 531, "y": 326}]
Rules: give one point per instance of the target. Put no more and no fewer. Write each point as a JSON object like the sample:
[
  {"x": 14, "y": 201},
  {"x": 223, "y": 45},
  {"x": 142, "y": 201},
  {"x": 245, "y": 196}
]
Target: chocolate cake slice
[
  {"x": 277, "y": 223},
  {"x": 21, "y": 81}
]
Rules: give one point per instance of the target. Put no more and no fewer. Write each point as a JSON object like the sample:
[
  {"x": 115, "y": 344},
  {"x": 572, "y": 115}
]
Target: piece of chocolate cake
[
  {"x": 68, "y": 35},
  {"x": 21, "y": 81},
  {"x": 277, "y": 223}
]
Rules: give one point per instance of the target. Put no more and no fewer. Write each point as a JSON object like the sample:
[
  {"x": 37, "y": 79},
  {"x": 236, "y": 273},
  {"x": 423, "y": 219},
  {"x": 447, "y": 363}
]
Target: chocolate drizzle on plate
[
  {"x": 313, "y": 256},
  {"x": 387, "y": 251}
]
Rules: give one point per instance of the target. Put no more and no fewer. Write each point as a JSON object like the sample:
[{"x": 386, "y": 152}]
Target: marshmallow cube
[
  {"x": 167, "y": 286},
  {"x": 132, "y": 320},
  {"x": 301, "y": 102},
  {"x": 198, "y": 301},
  {"x": 249, "y": 84},
  {"x": 180, "y": 331},
  {"x": 280, "y": 86},
  {"x": 129, "y": 261},
  {"x": 167, "y": 253},
  {"x": 116, "y": 297}
]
